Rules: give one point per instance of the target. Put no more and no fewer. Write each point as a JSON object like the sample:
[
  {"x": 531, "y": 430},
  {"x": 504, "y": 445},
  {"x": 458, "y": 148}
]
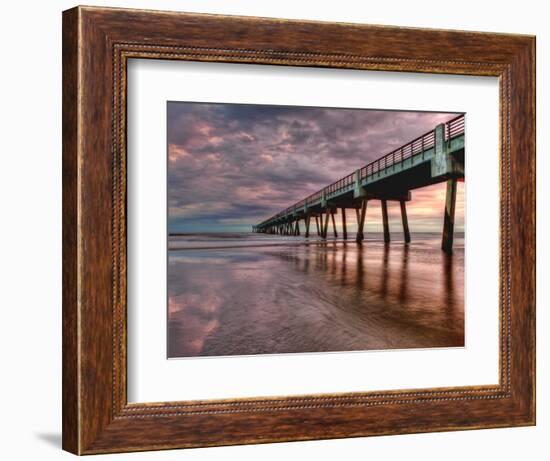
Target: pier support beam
[
  {"x": 385, "y": 220},
  {"x": 325, "y": 227},
  {"x": 361, "y": 221},
  {"x": 344, "y": 229},
  {"x": 449, "y": 219},
  {"x": 317, "y": 225},
  {"x": 406, "y": 233},
  {"x": 307, "y": 222},
  {"x": 332, "y": 213}
]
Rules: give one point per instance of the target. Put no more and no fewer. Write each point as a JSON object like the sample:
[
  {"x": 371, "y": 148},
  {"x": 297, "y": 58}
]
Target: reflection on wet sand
[{"x": 331, "y": 296}]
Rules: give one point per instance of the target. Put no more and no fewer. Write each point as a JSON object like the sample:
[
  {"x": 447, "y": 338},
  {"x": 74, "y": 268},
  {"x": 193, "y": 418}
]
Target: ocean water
[{"x": 245, "y": 294}]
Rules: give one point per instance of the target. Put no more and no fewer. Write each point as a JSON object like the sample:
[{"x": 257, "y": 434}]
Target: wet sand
[{"x": 333, "y": 296}]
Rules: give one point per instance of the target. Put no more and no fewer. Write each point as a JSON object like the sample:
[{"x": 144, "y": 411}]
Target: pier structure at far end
[{"x": 436, "y": 156}]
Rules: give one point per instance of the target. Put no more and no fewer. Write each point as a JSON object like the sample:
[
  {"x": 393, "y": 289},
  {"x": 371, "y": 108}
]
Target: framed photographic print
[{"x": 281, "y": 230}]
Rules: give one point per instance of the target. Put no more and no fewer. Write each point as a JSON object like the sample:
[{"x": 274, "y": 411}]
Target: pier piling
[
  {"x": 406, "y": 233},
  {"x": 325, "y": 228},
  {"x": 449, "y": 219},
  {"x": 344, "y": 229},
  {"x": 361, "y": 214},
  {"x": 385, "y": 220}
]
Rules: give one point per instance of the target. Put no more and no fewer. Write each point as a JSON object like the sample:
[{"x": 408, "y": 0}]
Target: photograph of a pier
[{"x": 298, "y": 229}]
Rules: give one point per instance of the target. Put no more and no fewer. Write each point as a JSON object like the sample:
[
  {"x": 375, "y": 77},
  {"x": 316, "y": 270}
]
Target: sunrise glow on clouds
[{"x": 231, "y": 166}]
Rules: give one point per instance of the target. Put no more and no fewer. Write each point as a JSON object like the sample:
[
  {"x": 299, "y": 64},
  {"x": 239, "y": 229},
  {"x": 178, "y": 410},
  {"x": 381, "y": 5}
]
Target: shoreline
[{"x": 292, "y": 243}]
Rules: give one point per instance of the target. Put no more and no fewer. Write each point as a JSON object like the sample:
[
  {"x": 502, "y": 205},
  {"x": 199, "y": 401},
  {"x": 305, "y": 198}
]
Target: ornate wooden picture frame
[{"x": 97, "y": 44}]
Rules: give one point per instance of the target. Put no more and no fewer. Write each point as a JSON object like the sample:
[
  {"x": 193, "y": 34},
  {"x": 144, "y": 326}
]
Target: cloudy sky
[{"x": 231, "y": 166}]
